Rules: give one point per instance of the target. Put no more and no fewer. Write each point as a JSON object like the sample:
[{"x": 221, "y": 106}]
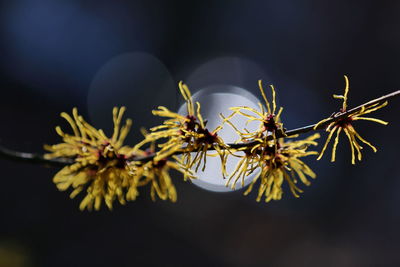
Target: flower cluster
[
  {"x": 109, "y": 171},
  {"x": 99, "y": 161},
  {"x": 185, "y": 134},
  {"x": 105, "y": 168},
  {"x": 280, "y": 163},
  {"x": 274, "y": 159},
  {"x": 345, "y": 124}
]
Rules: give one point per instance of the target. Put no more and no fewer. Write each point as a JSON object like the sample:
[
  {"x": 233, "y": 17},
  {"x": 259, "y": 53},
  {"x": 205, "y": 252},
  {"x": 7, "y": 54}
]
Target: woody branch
[{"x": 36, "y": 158}]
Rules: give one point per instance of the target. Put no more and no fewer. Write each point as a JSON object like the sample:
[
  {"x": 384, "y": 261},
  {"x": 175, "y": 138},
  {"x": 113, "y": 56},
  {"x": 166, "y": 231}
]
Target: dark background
[{"x": 96, "y": 54}]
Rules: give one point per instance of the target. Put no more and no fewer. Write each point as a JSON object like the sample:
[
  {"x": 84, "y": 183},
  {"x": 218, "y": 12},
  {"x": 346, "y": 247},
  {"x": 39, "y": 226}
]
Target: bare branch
[
  {"x": 40, "y": 159},
  {"x": 33, "y": 158}
]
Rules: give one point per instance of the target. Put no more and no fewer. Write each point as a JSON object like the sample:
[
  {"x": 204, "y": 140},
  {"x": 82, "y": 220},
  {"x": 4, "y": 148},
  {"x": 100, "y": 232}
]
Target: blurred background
[{"x": 96, "y": 54}]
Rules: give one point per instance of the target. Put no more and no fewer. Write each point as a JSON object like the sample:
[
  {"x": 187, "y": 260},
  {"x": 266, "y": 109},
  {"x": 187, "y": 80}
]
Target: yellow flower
[
  {"x": 99, "y": 165},
  {"x": 178, "y": 129},
  {"x": 345, "y": 124},
  {"x": 260, "y": 140},
  {"x": 275, "y": 161},
  {"x": 156, "y": 173},
  {"x": 280, "y": 165},
  {"x": 269, "y": 121},
  {"x": 185, "y": 134}
]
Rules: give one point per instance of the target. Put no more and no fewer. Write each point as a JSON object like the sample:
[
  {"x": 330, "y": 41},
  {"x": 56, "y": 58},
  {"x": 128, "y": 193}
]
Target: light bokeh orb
[{"x": 137, "y": 80}]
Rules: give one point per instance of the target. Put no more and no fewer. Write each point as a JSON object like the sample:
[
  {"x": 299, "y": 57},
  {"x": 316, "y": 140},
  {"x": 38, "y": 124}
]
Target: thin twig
[
  {"x": 59, "y": 162},
  {"x": 338, "y": 116},
  {"x": 33, "y": 158}
]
